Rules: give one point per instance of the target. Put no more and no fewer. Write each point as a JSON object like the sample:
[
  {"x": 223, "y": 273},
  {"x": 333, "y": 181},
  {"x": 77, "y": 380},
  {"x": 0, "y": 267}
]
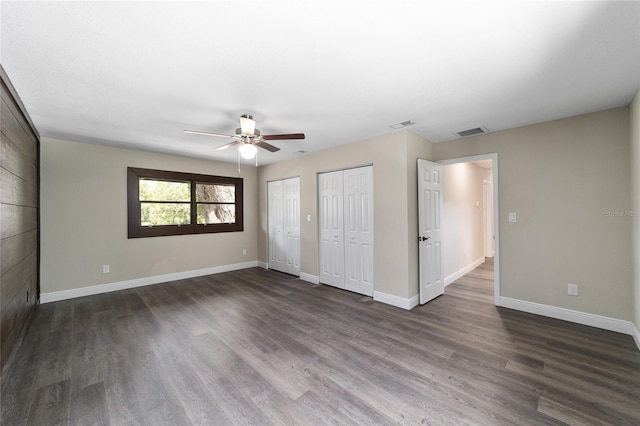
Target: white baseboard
[
  {"x": 414, "y": 301},
  {"x": 463, "y": 271},
  {"x": 598, "y": 321},
  {"x": 636, "y": 335},
  {"x": 397, "y": 301},
  {"x": 139, "y": 282},
  {"x": 313, "y": 279},
  {"x": 263, "y": 265}
]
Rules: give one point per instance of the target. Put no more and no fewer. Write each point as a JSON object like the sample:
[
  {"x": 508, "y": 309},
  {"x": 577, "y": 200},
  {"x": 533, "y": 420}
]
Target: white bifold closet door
[
  {"x": 284, "y": 225},
  {"x": 346, "y": 229}
]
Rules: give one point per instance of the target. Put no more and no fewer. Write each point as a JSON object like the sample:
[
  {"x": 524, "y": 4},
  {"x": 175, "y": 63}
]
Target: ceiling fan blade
[
  {"x": 227, "y": 145},
  {"x": 283, "y": 137},
  {"x": 195, "y": 132},
  {"x": 267, "y": 146}
]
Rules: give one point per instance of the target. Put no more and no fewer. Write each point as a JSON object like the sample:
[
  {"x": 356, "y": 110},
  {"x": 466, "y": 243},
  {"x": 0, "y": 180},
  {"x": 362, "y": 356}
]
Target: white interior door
[
  {"x": 358, "y": 229},
  {"x": 430, "y": 230},
  {"x": 330, "y": 193},
  {"x": 284, "y": 225}
]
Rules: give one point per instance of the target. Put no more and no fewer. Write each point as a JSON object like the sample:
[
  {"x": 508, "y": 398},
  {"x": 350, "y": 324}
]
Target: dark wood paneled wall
[{"x": 19, "y": 218}]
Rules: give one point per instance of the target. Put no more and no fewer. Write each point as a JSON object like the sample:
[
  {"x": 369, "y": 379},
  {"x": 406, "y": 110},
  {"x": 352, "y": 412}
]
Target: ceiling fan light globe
[{"x": 247, "y": 151}]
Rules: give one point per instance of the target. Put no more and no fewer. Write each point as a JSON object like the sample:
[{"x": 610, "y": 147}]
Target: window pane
[
  {"x": 158, "y": 214},
  {"x": 164, "y": 190},
  {"x": 216, "y": 213},
  {"x": 215, "y": 193}
]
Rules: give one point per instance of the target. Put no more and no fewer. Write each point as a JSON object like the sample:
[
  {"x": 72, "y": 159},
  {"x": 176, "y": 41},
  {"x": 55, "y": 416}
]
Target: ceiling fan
[{"x": 248, "y": 137}]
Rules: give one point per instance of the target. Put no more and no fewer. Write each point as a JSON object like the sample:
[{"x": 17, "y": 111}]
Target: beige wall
[
  {"x": 462, "y": 220},
  {"x": 84, "y": 218},
  {"x": 566, "y": 180},
  {"x": 393, "y": 159},
  {"x": 635, "y": 195}
]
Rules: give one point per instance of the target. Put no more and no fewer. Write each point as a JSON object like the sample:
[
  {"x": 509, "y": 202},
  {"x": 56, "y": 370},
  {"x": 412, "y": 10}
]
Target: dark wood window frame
[{"x": 136, "y": 230}]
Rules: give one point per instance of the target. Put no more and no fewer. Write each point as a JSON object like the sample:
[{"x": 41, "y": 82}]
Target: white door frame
[{"x": 496, "y": 217}]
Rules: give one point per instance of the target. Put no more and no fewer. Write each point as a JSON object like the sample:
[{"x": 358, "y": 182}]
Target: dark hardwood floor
[{"x": 260, "y": 347}]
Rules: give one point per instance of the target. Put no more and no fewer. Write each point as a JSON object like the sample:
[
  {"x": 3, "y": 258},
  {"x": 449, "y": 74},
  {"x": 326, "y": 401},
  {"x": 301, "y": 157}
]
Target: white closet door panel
[
  {"x": 365, "y": 229},
  {"x": 359, "y": 233},
  {"x": 291, "y": 193},
  {"x": 276, "y": 236},
  {"x": 331, "y": 228},
  {"x": 284, "y": 225},
  {"x": 351, "y": 227}
]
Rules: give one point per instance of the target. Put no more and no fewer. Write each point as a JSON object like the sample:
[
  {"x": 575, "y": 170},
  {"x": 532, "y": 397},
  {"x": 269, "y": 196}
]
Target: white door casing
[
  {"x": 430, "y": 230},
  {"x": 284, "y": 225},
  {"x": 495, "y": 226}
]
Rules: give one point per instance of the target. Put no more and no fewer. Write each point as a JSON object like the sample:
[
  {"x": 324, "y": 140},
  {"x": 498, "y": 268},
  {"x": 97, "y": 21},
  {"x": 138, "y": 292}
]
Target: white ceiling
[{"x": 136, "y": 73}]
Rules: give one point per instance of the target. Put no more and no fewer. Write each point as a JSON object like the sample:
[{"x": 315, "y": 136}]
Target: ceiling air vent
[
  {"x": 471, "y": 132},
  {"x": 403, "y": 124}
]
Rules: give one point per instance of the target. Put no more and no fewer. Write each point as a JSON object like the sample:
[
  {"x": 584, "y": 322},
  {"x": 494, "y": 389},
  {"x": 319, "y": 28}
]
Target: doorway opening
[{"x": 470, "y": 219}]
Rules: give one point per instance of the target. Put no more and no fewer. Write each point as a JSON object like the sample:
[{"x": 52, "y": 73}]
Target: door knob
[{"x": 423, "y": 238}]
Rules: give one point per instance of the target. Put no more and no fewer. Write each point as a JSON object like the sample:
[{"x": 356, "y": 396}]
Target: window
[{"x": 172, "y": 203}]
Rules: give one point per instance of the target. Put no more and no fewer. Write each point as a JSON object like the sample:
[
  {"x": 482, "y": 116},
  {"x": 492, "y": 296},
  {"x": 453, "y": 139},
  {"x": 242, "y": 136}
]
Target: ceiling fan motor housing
[{"x": 256, "y": 132}]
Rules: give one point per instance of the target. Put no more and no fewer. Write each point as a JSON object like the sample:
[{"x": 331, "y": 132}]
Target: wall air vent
[
  {"x": 403, "y": 124},
  {"x": 471, "y": 132}
]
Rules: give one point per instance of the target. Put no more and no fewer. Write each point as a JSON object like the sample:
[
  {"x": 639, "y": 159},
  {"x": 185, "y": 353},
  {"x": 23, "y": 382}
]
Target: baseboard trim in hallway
[{"x": 463, "y": 271}]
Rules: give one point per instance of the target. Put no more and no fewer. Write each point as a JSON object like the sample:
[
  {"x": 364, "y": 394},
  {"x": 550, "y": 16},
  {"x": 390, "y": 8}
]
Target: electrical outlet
[
  {"x": 106, "y": 269},
  {"x": 572, "y": 289},
  {"x": 513, "y": 217},
  {"x": 244, "y": 252}
]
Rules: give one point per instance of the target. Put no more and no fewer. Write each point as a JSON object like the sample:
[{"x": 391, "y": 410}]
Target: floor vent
[{"x": 471, "y": 132}]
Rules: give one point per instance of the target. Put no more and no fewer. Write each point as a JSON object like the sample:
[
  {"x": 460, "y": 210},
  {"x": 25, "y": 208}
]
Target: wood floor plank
[
  {"x": 260, "y": 347},
  {"x": 89, "y": 406},
  {"x": 50, "y": 405}
]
